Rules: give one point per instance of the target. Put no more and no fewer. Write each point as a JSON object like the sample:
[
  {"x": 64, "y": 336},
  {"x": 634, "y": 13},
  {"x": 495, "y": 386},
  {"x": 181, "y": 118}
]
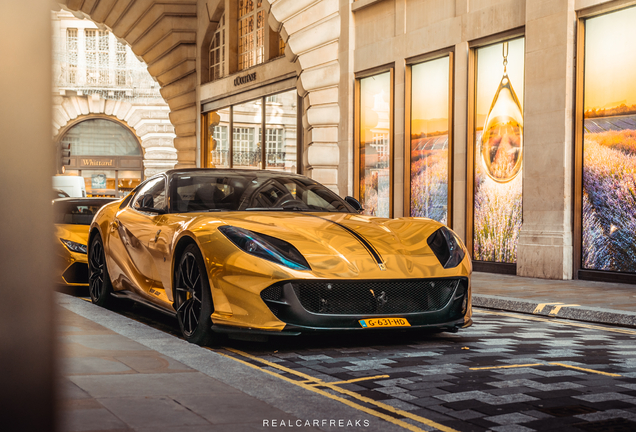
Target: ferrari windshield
[
  {"x": 252, "y": 191},
  {"x": 78, "y": 211}
]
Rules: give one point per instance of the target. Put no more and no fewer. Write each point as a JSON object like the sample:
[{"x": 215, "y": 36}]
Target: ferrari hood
[
  {"x": 75, "y": 233},
  {"x": 347, "y": 245}
]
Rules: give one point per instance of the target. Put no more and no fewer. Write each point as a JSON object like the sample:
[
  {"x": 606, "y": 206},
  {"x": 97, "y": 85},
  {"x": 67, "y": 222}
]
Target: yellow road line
[
  {"x": 343, "y": 391},
  {"x": 540, "y": 307},
  {"x": 552, "y": 321},
  {"x": 507, "y": 367},
  {"x": 349, "y": 403},
  {"x": 546, "y": 364},
  {"x": 355, "y": 380},
  {"x": 556, "y": 309},
  {"x": 584, "y": 369}
]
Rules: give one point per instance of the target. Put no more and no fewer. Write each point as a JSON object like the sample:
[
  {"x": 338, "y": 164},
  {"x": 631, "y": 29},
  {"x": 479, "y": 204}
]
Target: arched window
[
  {"x": 99, "y": 137},
  {"x": 251, "y": 26},
  {"x": 217, "y": 51},
  {"x": 105, "y": 153}
]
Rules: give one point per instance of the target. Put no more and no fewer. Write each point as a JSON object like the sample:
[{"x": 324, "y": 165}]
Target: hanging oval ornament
[{"x": 502, "y": 138}]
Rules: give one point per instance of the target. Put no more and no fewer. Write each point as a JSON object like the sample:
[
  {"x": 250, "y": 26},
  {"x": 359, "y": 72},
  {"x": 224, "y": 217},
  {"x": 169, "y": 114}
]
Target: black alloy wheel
[
  {"x": 193, "y": 298},
  {"x": 99, "y": 284}
]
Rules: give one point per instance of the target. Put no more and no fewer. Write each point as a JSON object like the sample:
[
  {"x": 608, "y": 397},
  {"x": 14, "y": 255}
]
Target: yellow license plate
[{"x": 384, "y": 322}]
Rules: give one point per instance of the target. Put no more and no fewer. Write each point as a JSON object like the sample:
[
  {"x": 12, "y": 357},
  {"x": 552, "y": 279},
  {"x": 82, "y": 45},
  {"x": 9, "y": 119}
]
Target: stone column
[
  {"x": 311, "y": 30},
  {"x": 545, "y": 242}
]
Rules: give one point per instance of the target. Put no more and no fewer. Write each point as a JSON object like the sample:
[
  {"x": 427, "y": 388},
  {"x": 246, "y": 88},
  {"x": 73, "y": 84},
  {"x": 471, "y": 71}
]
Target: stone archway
[
  {"x": 311, "y": 31},
  {"x": 163, "y": 34}
]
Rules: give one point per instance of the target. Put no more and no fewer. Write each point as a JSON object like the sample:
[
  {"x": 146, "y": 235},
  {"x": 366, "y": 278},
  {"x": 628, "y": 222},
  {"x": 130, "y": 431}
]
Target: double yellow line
[
  {"x": 311, "y": 383},
  {"x": 548, "y": 364}
]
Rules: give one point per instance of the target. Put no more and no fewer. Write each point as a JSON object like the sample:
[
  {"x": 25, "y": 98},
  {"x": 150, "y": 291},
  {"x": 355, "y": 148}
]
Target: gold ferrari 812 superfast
[{"x": 268, "y": 252}]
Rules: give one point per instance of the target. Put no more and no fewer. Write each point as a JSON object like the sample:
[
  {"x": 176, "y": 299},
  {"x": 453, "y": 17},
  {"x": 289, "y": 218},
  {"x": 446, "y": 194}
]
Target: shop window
[
  {"x": 251, "y": 31},
  {"x": 429, "y": 144},
  {"x": 606, "y": 140},
  {"x": 98, "y": 137},
  {"x": 374, "y": 142},
  {"x": 498, "y": 151},
  {"x": 216, "y": 150},
  {"x": 217, "y": 51},
  {"x": 281, "y": 132},
  {"x": 246, "y": 120},
  {"x": 71, "y": 55}
]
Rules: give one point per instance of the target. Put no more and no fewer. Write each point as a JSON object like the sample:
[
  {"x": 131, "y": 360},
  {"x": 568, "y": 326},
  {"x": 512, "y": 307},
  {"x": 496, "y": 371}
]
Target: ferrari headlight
[
  {"x": 266, "y": 247},
  {"x": 73, "y": 246},
  {"x": 446, "y": 247}
]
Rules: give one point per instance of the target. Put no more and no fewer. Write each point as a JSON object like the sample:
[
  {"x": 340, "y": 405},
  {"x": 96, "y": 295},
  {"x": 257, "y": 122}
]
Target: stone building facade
[{"x": 509, "y": 125}]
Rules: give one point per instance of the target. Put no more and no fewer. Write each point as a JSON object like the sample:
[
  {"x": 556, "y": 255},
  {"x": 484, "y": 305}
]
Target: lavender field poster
[
  {"x": 498, "y": 151},
  {"x": 609, "y": 143},
  {"x": 429, "y": 139}
]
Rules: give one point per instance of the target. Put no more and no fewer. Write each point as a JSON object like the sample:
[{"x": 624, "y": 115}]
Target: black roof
[{"x": 258, "y": 172}]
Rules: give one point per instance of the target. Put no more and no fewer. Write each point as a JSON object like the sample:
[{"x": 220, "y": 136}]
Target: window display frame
[
  {"x": 390, "y": 68},
  {"x": 579, "y": 272},
  {"x": 483, "y": 266},
  {"x": 408, "y": 103},
  {"x": 219, "y": 105}
]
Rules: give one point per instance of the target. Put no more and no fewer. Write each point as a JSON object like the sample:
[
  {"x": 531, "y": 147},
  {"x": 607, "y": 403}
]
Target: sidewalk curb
[{"x": 557, "y": 310}]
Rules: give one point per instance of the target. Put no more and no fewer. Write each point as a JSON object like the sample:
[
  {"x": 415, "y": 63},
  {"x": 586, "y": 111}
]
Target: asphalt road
[{"x": 508, "y": 372}]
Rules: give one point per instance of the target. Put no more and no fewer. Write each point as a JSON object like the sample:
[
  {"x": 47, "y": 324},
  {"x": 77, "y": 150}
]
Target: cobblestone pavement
[{"x": 506, "y": 373}]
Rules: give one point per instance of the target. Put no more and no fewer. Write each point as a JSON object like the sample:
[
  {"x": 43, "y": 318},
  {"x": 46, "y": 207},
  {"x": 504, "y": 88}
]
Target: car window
[
  {"x": 78, "y": 212},
  {"x": 233, "y": 191},
  {"x": 155, "y": 193},
  {"x": 204, "y": 193}
]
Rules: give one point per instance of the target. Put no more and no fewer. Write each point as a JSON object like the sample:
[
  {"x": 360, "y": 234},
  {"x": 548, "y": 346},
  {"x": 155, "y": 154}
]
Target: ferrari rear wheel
[
  {"x": 99, "y": 285},
  {"x": 193, "y": 299}
]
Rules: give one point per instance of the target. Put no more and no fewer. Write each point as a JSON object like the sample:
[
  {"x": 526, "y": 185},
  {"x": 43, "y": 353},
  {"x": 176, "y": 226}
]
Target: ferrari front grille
[{"x": 375, "y": 297}]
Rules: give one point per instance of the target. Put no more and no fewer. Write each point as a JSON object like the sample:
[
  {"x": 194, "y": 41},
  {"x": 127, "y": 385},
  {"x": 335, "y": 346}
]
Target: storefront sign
[
  {"x": 94, "y": 162},
  {"x": 245, "y": 79}
]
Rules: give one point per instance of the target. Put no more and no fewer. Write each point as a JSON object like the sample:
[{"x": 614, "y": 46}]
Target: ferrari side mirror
[{"x": 357, "y": 206}]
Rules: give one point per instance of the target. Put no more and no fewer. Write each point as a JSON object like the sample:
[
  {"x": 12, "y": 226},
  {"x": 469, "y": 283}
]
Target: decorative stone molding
[
  {"x": 150, "y": 123},
  {"x": 163, "y": 34},
  {"x": 311, "y": 30}
]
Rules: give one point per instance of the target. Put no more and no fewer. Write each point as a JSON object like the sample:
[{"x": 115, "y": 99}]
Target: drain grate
[
  {"x": 567, "y": 411},
  {"x": 611, "y": 425}
]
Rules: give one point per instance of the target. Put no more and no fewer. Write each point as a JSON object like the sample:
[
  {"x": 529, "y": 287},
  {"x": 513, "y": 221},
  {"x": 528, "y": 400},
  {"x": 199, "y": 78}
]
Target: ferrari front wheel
[
  {"x": 99, "y": 285},
  {"x": 193, "y": 299}
]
